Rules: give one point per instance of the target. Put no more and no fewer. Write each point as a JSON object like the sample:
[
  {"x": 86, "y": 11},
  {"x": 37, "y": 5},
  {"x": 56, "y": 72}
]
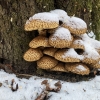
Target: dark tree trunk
[{"x": 14, "y": 13}]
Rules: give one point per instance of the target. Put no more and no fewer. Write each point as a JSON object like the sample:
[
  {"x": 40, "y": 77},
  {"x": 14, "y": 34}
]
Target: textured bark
[
  {"x": 13, "y": 39},
  {"x": 14, "y": 13}
]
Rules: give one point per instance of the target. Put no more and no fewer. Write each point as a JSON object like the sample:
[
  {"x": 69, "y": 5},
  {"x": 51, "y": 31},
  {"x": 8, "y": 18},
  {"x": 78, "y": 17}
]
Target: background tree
[{"x": 14, "y": 13}]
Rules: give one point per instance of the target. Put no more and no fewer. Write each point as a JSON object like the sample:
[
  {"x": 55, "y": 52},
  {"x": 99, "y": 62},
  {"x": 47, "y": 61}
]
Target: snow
[
  {"x": 30, "y": 88},
  {"x": 71, "y": 53},
  {"x": 76, "y": 23},
  {"x": 81, "y": 68},
  {"x": 61, "y": 33},
  {"x": 45, "y": 16},
  {"x": 78, "y": 42},
  {"x": 61, "y": 13},
  {"x": 90, "y": 45}
]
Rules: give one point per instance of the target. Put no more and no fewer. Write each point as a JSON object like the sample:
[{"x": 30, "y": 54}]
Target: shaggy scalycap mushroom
[
  {"x": 77, "y": 68},
  {"x": 41, "y": 21},
  {"x": 33, "y": 54},
  {"x": 47, "y": 62},
  {"x": 50, "y": 51},
  {"x": 61, "y": 38},
  {"x": 39, "y": 41},
  {"x": 68, "y": 55},
  {"x": 76, "y": 25},
  {"x": 59, "y": 67}
]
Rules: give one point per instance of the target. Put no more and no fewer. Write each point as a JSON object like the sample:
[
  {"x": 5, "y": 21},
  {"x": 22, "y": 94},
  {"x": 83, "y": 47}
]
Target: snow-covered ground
[{"x": 29, "y": 89}]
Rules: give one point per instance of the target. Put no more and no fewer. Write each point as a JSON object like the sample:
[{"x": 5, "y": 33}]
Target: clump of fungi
[{"x": 62, "y": 43}]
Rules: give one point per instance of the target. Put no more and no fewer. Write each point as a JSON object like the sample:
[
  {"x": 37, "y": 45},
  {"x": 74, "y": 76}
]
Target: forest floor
[{"x": 40, "y": 88}]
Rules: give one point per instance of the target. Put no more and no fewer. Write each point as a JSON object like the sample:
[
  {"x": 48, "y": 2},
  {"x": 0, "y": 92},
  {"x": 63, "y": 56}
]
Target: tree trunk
[{"x": 14, "y": 13}]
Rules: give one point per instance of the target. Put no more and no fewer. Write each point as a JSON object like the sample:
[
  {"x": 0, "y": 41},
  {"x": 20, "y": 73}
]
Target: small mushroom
[
  {"x": 47, "y": 62},
  {"x": 77, "y": 43},
  {"x": 41, "y": 21},
  {"x": 61, "y": 38},
  {"x": 76, "y": 25},
  {"x": 39, "y": 41},
  {"x": 33, "y": 54},
  {"x": 59, "y": 67},
  {"x": 50, "y": 51},
  {"x": 68, "y": 55},
  {"x": 77, "y": 68}
]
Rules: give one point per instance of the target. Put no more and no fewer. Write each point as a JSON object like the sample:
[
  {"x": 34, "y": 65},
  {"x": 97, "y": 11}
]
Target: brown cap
[
  {"x": 97, "y": 65},
  {"x": 76, "y": 25},
  {"x": 59, "y": 67},
  {"x": 61, "y": 38},
  {"x": 39, "y": 41},
  {"x": 33, "y": 54},
  {"x": 89, "y": 60},
  {"x": 77, "y": 68},
  {"x": 67, "y": 55},
  {"x": 43, "y": 20},
  {"x": 47, "y": 62},
  {"x": 77, "y": 44},
  {"x": 50, "y": 51}
]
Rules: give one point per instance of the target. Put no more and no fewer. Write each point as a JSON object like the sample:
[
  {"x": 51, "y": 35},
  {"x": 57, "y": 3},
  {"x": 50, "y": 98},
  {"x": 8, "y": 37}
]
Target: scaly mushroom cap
[
  {"x": 59, "y": 67},
  {"x": 75, "y": 25},
  {"x": 50, "y": 51},
  {"x": 77, "y": 44},
  {"x": 39, "y": 41},
  {"x": 89, "y": 60},
  {"x": 47, "y": 62},
  {"x": 97, "y": 65},
  {"x": 43, "y": 20},
  {"x": 68, "y": 55},
  {"x": 77, "y": 68},
  {"x": 33, "y": 54},
  {"x": 61, "y": 38}
]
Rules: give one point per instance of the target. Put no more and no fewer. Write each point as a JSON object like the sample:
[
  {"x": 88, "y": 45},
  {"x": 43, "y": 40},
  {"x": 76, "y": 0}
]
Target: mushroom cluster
[{"x": 62, "y": 43}]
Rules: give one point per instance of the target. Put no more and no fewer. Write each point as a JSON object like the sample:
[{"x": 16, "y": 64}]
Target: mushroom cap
[
  {"x": 77, "y": 68},
  {"x": 75, "y": 25},
  {"x": 59, "y": 67},
  {"x": 68, "y": 55},
  {"x": 77, "y": 44},
  {"x": 43, "y": 20},
  {"x": 32, "y": 54},
  {"x": 50, "y": 51},
  {"x": 61, "y": 38},
  {"x": 89, "y": 60},
  {"x": 39, "y": 41},
  {"x": 47, "y": 62},
  {"x": 97, "y": 65}
]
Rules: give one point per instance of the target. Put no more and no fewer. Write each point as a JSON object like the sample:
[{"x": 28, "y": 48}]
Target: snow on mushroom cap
[
  {"x": 71, "y": 53},
  {"x": 90, "y": 45},
  {"x": 45, "y": 16},
  {"x": 81, "y": 68},
  {"x": 61, "y": 13},
  {"x": 76, "y": 23},
  {"x": 62, "y": 33}
]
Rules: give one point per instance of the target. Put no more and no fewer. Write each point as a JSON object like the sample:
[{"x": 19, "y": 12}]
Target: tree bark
[{"x": 14, "y": 13}]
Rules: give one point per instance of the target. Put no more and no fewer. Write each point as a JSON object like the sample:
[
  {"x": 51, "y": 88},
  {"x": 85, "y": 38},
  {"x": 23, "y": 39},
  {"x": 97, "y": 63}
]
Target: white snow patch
[
  {"x": 78, "y": 42},
  {"x": 90, "y": 45},
  {"x": 81, "y": 68},
  {"x": 61, "y": 33},
  {"x": 76, "y": 23},
  {"x": 45, "y": 16},
  {"x": 30, "y": 88},
  {"x": 72, "y": 53},
  {"x": 61, "y": 13}
]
